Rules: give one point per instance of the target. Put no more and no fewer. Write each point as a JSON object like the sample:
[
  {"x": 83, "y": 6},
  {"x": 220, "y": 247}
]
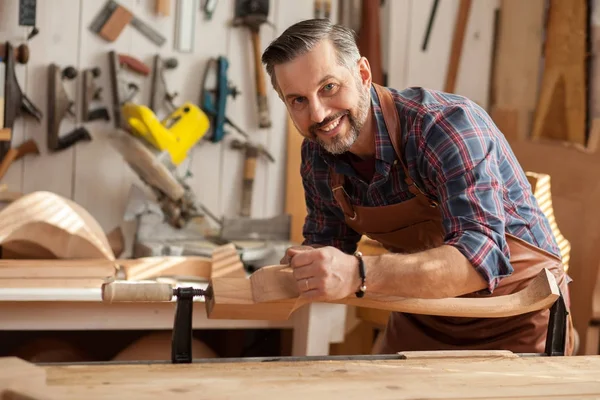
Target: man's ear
[{"x": 364, "y": 70}]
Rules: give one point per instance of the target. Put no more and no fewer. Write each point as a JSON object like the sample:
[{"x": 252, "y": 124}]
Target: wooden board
[
  {"x": 517, "y": 66},
  {"x": 490, "y": 377},
  {"x": 562, "y": 107},
  {"x": 271, "y": 293}
]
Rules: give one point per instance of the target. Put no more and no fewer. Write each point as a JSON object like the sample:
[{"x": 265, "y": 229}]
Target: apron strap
[{"x": 392, "y": 124}]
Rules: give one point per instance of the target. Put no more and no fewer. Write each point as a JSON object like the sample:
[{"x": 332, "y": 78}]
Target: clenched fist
[{"x": 325, "y": 273}]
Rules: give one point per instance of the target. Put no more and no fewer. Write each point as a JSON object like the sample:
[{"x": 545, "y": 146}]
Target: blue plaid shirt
[{"x": 453, "y": 151}]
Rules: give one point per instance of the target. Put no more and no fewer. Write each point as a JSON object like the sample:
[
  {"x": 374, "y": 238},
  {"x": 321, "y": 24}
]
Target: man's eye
[
  {"x": 329, "y": 87},
  {"x": 298, "y": 100}
]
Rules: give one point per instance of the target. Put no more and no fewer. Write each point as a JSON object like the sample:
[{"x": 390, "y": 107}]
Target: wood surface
[
  {"x": 271, "y": 293},
  {"x": 495, "y": 376},
  {"x": 460, "y": 28},
  {"x": 515, "y": 81},
  {"x": 561, "y": 110},
  {"x": 45, "y": 225},
  {"x": 224, "y": 261},
  {"x": 575, "y": 199}
]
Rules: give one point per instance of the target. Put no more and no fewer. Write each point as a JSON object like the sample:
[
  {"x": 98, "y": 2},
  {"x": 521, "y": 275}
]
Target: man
[{"x": 425, "y": 173}]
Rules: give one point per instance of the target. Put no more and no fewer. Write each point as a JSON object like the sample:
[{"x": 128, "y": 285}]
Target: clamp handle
[{"x": 140, "y": 291}]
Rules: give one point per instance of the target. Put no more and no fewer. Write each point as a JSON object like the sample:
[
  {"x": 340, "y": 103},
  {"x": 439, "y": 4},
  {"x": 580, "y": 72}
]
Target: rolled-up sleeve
[
  {"x": 324, "y": 224},
  {"x": 459, "y": 158}
]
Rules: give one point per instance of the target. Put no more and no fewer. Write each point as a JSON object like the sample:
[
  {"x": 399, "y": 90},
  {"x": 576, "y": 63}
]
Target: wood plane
[
  {"x": 270, "y": 293},
  {"x": 44, "y": 225}
]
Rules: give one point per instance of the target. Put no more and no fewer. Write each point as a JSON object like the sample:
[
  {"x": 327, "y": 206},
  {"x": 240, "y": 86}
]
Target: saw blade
[{"x": 147, "y": 165}]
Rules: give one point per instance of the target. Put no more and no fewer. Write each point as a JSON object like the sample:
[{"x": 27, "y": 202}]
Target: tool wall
[{"x": 95, "y": 176}]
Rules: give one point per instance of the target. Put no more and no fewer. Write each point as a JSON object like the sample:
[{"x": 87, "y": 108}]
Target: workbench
[
  {"x": 314, "y": 326},
  {"x": 442, "y": 375}
]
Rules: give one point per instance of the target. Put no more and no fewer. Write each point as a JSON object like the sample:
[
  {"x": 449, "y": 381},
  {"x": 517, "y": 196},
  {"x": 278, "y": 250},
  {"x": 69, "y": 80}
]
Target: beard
[{"x": 341, "y": 143}]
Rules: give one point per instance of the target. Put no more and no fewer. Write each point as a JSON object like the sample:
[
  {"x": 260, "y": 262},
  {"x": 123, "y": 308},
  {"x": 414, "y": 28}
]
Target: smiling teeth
[{"x": 332, "y": 125}]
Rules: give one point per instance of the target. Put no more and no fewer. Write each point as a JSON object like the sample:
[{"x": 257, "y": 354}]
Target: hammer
[
  {"x": 252, "y": 14},
  {"x": 252, "y": 151}
]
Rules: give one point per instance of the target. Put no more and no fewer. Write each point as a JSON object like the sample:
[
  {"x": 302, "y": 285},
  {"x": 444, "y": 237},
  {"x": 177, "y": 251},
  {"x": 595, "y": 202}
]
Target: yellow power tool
[{"x": 176, "y": 134}]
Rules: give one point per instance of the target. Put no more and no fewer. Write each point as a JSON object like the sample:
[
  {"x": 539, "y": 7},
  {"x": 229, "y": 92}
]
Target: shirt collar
[{"x": 384, "y": 150}]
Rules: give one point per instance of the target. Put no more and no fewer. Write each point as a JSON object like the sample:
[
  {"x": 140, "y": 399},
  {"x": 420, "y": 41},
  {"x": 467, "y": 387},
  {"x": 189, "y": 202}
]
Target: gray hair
[{"x": 303, "y": 36}]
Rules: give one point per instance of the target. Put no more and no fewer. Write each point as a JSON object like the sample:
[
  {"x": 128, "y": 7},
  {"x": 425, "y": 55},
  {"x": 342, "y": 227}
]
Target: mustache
[{"x": 327, "y": 120}]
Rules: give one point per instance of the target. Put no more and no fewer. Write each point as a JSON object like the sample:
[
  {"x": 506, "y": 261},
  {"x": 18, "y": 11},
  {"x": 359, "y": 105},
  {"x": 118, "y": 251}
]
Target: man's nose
[{"x": 317, "y": 111}]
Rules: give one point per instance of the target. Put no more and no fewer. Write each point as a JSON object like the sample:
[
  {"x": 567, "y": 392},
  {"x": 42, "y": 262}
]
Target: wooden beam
[{"x": 562, "y": 107}]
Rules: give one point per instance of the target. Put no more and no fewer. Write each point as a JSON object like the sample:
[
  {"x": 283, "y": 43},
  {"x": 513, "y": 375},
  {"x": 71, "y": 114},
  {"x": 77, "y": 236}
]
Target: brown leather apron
[{"x": 416, "y": 225}]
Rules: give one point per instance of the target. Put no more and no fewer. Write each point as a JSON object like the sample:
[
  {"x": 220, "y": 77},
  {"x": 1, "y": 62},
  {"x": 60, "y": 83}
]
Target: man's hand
[
  {"x": 291, "y": 251},
  {"x": 325, "y": 273}
]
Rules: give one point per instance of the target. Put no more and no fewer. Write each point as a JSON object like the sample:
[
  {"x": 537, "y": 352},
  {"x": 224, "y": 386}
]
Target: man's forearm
[{"x": 436, "y": 273}]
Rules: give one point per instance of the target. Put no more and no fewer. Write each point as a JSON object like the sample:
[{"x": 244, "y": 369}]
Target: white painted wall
[{"x": 94, "y": 176}]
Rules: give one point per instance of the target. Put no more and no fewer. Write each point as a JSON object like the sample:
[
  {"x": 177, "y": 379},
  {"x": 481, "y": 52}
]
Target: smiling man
[{"x": 425, "y": 173}]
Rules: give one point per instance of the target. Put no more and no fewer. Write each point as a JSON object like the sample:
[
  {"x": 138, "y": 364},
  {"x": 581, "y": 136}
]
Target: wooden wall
[{"x": 94, "y": 176}]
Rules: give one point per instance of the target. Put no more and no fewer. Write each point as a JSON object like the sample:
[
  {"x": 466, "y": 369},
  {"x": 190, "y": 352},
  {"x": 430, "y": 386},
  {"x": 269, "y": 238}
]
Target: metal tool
[
  {"x": 15, "y": 153},
  {"x": 90, "y": 93},
  {"x": 15, "y": 100},
  {"x": 434, "y": 8},
  {"x": 252, "y": 14},
  {"x": 59, "y": 105},
  {"x": 251, "y": 153},
  {"x": 107, "y": 11},
  {"x": 185, "y": 25},
  {"x": 174, "y": 136},
  {"x": 181, "y": 346},
  {"x": 214, "y": 99},
  {"x": 209, "y": 8},
  {"x": 150, "y": 291},
  {"x": 158, "y": 84},
  {"x": 173, "y": 195},
  {"x": 122, "y": 91}
]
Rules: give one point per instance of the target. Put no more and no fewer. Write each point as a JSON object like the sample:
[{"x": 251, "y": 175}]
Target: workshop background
[{"x": 530, "y": 64}]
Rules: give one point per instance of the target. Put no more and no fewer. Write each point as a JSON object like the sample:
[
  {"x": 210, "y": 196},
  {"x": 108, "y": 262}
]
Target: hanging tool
[
  {"x": 90, "y": 93},
  {"x": 122, "y": 91},
  {"x": 59, "y": 105},
  {"x": 15, "y": 153},
  {"x": 27, "y": 14},
  {"x": 15, "y": 101},
  {"x": 214, "y": 100},
  {"x": 434, "y": 8},
  {"x": 175, "y": 135},
  {"x": 252, "y": 14},
  {"x": 209, "y": 8},
  {"x": 251, "y": 153},
  {"x": 158, "y": 84},
  {"x": 322, "y": 8},
  {"x": 185, "y": 26},
  {"x": 162, "y": 7},
  {"x": 112, "y": 19}
]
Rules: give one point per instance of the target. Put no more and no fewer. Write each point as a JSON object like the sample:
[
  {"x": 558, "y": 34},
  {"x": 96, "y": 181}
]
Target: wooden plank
[
  {"x": 461, "y": 378},
  {"x": 460, "y": 27},
  {"x": 153, "y": 267},
  {"x": 271, "y": 292},
  {"x": 562, "y": 107},
  {"x": 41, "y": 283},
  {"x": 56, "y": 268},
  {"x": 517, "y": 66}
]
